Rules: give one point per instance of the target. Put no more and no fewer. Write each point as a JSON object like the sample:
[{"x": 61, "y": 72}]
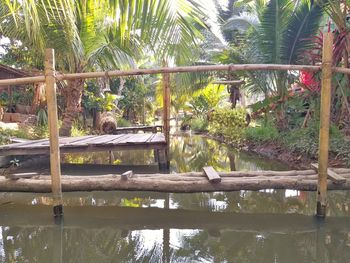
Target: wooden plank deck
[
  {"x": 153, "y": 129},
  {"x": 90, "y": 143}
]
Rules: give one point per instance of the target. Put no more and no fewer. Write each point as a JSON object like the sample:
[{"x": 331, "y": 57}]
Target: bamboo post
[
  {"x": 55, "y": 166},
  {"x": 327, "y": 54},
  {"x": 166, "y": 106},
  {"x": 164, "y": 160}
]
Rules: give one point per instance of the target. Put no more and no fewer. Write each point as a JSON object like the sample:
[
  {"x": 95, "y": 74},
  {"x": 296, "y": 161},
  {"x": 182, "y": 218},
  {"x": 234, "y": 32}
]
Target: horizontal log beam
[
  {"x": 341, "y": 70},
  {"x": 167, "y": 183},
  {"x": 229, "y": 82},
  {"x": 119, "y": 73},
  {"x": 21, "y": 81},
  {"x": 136, "y": 72}
]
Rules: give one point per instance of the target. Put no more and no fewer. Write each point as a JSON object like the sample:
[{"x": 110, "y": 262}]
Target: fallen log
[{"x": 168, "y": 183}]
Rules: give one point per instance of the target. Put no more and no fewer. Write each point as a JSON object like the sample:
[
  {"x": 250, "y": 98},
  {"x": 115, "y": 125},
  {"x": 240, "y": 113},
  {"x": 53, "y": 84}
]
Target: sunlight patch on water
[
  {"x": 292, "y": 193},
  {"x": 2, "y": 250}
]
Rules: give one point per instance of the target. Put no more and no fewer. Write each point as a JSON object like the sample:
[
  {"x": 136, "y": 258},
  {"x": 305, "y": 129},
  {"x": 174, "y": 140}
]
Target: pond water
[{"x": 244, "y": 226}]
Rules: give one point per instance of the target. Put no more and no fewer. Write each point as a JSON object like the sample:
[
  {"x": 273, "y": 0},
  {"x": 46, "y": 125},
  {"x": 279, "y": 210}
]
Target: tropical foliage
[
  {"x": 101, "y": 35},
  {"x": 279, "y": 34}
]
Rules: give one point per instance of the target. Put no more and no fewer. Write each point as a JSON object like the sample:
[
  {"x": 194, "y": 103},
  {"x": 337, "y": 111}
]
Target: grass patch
[
  {"x": 261, "y": 134},
  {"x": 27, "y": 132},
  {"x": 78, "y": 130},
  {"x": 121, "y": 122}
]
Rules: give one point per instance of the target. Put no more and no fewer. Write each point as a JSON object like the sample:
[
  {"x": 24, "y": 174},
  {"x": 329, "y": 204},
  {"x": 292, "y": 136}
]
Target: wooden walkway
[{"x": 90, "y": 143}]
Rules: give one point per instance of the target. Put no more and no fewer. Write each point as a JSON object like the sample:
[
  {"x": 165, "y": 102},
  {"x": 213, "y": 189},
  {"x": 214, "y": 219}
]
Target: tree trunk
[
  {"x": 39, "y": 89},
  {"x": 281, "y": 120},
  {"x": 96, "y": 119},
  {"x": 72, "y": 94}
]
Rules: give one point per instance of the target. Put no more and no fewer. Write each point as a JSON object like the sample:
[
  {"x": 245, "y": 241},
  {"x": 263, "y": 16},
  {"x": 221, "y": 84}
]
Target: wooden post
[
  {"x": 166, "y": 106},
  {"x": 326, "y": 94},
  {"x": 166, "y": 116},
  {"x": 55, "y": 166}
]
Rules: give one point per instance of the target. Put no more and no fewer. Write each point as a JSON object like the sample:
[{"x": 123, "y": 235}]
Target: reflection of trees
[
  {"x": 193, "y": 152},
  {"x": 272, "y": 201},
  {"x": 31, "y": 244},
  {"x": 134, "y": 157},
  {"x": 232, "y": 246},
  {"x": 245, "y": 201},
  {"x": 38, "y": 244}
]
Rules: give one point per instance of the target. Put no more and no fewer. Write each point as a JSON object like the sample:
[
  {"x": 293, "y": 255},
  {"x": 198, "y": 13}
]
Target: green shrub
[
  {"x": 29, "y": 133},
  {"x": 78, "y": 130},
  {"x": 229, "y": 124},
  {"x": 39, "y": 132},
  {"x": 123, "y": 123},
  {"x": 199, "y": 125}
]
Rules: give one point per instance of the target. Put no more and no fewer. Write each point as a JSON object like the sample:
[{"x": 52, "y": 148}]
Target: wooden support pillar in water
[
  {"x": 326, "y": 95},
  {"x": 55, "y": 166}
]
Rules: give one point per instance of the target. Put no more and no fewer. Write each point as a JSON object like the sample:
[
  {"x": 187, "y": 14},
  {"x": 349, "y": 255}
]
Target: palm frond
[
  {"x": 303, "y": 23},
  {"x": 273, "y": 23}
]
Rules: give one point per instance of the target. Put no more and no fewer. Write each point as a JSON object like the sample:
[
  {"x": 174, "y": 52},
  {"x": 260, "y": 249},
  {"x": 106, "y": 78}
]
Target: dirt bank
[{"x": 278, "y": 152}]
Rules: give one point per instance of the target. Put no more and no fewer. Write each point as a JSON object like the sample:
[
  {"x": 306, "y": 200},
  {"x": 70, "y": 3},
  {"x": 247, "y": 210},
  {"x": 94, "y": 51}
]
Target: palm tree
[
  {"x": 276, "y": 33},
  {"x": 104, "y": 34}
]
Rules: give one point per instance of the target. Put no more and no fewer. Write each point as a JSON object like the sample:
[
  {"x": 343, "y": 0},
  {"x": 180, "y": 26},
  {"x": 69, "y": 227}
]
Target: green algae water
[{"x": 243, "y": 226}]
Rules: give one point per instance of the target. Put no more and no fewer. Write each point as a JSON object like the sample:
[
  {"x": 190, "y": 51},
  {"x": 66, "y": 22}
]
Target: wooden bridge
[{"x": 95, "y": 143}]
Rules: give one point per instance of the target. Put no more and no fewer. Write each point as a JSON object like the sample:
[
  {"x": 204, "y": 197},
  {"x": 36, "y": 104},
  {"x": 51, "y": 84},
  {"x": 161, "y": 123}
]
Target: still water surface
[{"x": 265, "y": 226}]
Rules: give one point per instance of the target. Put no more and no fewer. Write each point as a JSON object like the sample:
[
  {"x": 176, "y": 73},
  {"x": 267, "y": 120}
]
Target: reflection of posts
[
  {"x": 166, "y": 245},
  {"x": 155, "y": 153},
  {"x": 163, "y": 159},
  {"x": 57, "y": 243},
  {"x": 320, "y": 244},
  {"x": 111, "y": 157}
]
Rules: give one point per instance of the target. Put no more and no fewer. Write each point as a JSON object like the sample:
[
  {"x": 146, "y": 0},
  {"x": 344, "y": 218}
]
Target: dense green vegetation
[{"x": 283, "y": 106}]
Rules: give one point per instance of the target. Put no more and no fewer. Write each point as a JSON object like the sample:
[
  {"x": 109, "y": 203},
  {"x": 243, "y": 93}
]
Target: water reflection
[
  {"x": 264, "y": 226},
  {"x": 187, "y": 153},
  {"x": 112, "y": 234}
]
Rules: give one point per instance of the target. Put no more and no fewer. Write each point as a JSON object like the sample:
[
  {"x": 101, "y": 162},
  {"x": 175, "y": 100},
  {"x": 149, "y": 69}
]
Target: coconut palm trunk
[{"x": 73, "y": 94}]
